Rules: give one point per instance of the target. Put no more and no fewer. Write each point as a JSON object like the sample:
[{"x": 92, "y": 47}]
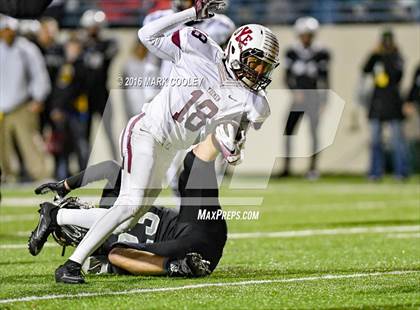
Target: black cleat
[
  {"x": 69, "y": 273},
  {"x": 192, "y": 265},
  {"x": 45, "y": 226}
]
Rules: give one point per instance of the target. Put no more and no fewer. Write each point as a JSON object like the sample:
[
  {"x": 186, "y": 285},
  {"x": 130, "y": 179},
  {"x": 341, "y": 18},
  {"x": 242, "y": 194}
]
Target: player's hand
[
  {"x": 229, "y": 143},
  {"x": 58, "y": 188},
  {"x": 206, "y": 8}
]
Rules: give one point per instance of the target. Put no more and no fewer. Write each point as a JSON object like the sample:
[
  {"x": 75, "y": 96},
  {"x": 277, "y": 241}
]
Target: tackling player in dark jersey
[{"x": 164, "y": 242}]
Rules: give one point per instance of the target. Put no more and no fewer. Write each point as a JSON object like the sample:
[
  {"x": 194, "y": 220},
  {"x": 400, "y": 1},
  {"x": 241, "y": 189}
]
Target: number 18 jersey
[{"x": 199, "y": 94}]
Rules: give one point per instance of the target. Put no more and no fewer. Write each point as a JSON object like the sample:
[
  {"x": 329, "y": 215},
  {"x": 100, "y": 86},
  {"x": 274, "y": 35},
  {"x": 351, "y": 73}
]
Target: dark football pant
[{"x": 207, "y": 237}]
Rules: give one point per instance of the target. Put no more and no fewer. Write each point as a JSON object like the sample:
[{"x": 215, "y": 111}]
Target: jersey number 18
[{"x": 204, "y": 110}]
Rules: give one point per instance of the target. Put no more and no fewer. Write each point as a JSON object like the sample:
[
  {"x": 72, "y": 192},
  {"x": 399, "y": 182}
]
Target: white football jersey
[
  {"x": 178, "y": 114},
  {"x": 219, "y": 28}
]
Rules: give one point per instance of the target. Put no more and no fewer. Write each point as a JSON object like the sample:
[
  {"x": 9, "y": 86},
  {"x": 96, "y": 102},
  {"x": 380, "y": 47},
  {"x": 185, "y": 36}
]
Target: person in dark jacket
[
  {"x": 307, "y": 75},
  {"x": 23, "y": 8},
  {"x": 53, "y": 52},
  {"x": 414, "y": 94},
  {"x": 412, "y": 109},
  {"x": 69, "y": 110},
  {"x": 385, "y": 66},
  {"x": 97, "y": 57}
]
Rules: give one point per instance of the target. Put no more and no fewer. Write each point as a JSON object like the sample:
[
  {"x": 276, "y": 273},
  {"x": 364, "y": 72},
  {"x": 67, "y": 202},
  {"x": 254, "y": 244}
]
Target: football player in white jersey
[
  {"x": 220, "y": 28},
  {"x": 233, "y": 84}
]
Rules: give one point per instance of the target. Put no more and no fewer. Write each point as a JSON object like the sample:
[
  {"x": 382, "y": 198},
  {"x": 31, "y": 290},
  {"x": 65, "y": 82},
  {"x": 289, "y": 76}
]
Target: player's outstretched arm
[
  {"x": 106, "y": 170},
  {"x": 152, "y": 35},
  {"x": 137, "y": 262}
]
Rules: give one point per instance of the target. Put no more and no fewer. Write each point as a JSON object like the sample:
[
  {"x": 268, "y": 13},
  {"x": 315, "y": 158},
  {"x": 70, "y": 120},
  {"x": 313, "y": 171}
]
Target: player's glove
[
  {"x": 206, "y": 8},
  {"x": 230, "y": 143},
  {"x": 54, "y": 187}
]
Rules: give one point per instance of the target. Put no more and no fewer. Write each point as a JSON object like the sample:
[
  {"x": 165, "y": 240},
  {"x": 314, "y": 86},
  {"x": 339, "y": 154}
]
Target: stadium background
[
  {"x": 340, "y": 242},
  {"x": 351, "y": 29}
]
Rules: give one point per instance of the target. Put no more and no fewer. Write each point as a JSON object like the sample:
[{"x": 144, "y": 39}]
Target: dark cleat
[
  {"x": 192, "y": 265},
  {"x": 45, "y": 226},
  {"x": 69, "y": 273}
]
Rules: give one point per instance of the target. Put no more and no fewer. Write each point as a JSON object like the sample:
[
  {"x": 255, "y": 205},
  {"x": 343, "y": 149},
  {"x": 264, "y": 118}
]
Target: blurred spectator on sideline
[
  {"x": 137, "y": 70},
  {"x": 307, "y": 71},
  {"x": 411, "y": 108},
  {"x": 23, "y": 90},
  {"x": 120, "y": 11},
  {"x": 98, "y": 55},
  {"x": 28, "y": 28},
  {"x": 385, "y": 66},
  {"x": 413, "y": 98},
  {"x": 69, "y": 111},
  {"x": 46, "y": 39}
]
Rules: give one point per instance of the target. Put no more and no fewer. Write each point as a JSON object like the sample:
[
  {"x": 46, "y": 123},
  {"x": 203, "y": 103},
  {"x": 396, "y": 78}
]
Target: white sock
[
  {"x": 100, "y": 231},
  {"x": 80, "y": 217}
]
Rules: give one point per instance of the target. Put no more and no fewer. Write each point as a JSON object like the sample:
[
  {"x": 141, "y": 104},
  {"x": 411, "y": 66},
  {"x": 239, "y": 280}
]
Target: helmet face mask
[
  {"x": 252, "y": 70},
  {"x": 252, "y": 55}
]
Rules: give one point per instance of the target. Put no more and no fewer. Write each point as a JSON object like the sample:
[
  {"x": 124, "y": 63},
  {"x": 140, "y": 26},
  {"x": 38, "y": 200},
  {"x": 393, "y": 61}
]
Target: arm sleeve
[
  {"x": 413, "y": 95},
  {"x": 23, "y": 8},
  {"x": 39, "y": 84},
  {"x": 153, "y": 36},
  {"x": 259, "y": 111},
  {"x": 289, "y": 78},
  {"x": 324, "y": 70},
  {"x": 111, "y": 49},
  {"x": 106, "y": 170},
  {"x": 395, "y": 69},
  {"x": 370, "y": 63}
]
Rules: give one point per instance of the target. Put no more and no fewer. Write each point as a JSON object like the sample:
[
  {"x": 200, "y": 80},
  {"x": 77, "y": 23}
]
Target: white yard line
[
  {"x": 281, "y": 234},
  {"x": 404, "y": 236},
  {"x": 26, "y": 202},
  {"x": 30, "y": 202},
  {"x": 204, "y": 285},
  {"x": 319, "y": 232},
  {"x": 19, "y": 246},
  {"x": 17, "y": 218}
]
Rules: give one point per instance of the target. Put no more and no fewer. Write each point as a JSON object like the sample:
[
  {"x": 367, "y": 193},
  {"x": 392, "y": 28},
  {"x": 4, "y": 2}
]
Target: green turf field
[{"x": 335, "y": 243}]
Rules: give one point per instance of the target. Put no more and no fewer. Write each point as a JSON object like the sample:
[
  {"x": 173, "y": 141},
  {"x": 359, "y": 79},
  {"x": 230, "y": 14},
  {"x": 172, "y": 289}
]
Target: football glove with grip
[
  {"x": 55, "y": 187},
  {"x": 206, "y": 8},
  {"x": 230, "y": 143}
]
